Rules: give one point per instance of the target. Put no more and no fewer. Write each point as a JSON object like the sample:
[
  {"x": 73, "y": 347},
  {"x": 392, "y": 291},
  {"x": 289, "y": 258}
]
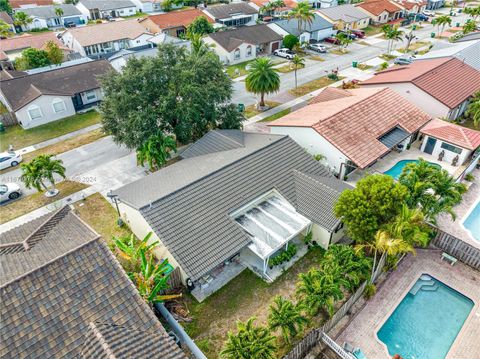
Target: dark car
[
  {"x": 70, "y": 24},
  {"x": 421, "y": 17},
  {"x": 332, "y": 40},
  {"x": 351, "y": 35},
  {"x": 358, "y": 33}
]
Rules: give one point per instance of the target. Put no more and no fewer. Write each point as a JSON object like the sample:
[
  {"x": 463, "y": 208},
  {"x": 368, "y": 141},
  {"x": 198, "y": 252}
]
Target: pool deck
[
  {"x": 462, "y": 211},
  {"x": 362, "y": 330}
]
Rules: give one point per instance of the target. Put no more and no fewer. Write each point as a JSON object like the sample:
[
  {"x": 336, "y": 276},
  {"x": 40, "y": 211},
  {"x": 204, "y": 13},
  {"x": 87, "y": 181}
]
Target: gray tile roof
[
  {"x": 47, "y": 12},
  {"x": 58, "y": 282},
  {"x": 5, "y": 17},
  {"x": 255, "y": 35},
  {"x": 107, "y": 4},
  {"x": 64, "y": 81},
  {"x": 228, "y": 10},
  {"x": 346, "y": 13},
  {"x": 191, "y": 200},
  {"x": 468, "y": 51},
  {"x": 291, "y": 26},
  {"x": 215, "y": 141}
]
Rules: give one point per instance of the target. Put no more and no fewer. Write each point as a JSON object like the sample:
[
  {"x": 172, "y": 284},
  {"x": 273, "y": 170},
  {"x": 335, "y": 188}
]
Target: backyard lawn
[
  {"x": 245, "y": 296},
  {"x": 34, "y": 201},
  {"x": 19, "y": 138},
  {"x": 372, "y": 30},
  {"x": 415, "y": 46},
  {"x": 252, "y": 110},
  {"x": 312, "y": 86},
  {"x": 241, "y": 67}
]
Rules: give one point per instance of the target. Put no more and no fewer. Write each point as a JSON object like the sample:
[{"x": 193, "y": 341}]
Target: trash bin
[
  {"x": 414, "y": 27},
  {"x": 432, "y": 35},
  {"x": 2, "y": 127},
  {"x": 354, "y": 64},
  {"x": 457, "y": 24},
  {"x": 241, "y": 107}
]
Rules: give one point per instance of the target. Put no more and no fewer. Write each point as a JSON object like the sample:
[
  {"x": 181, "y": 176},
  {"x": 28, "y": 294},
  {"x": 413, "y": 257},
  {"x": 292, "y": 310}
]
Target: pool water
[
  {"x": 426, "y": 322},
  {"x": 397, "y": 169},
  {"x": 472, "y": 223}
]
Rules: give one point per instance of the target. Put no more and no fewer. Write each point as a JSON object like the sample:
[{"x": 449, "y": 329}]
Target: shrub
[
  {"x": 333, "y": 76},
  {"x": 383, "y": 66},
  {"x": 370, "y": 290},
  {"x": 319, "y": 157},
  {"x": 469, "y": 177},
  {"x": 350, "y": 85},
  {"x": 283, "y": 256},
  {"x": 290, "y": 41}
]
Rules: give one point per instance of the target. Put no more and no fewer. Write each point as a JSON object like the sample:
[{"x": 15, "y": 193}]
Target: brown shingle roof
[
  {"x": 447, "y": 79},
  {"x": 19, "y": 3},
  {"x": 227, "y": 10},
  {"x": 255, "y": 35},
  {"x": 63, "y": 283},
  {"x": 65, "y": 81},
  {"x": 177, "y": 18},
  {"x": 452, "y": 133},
  {"x": 354, "y": 123},
  {"x": 376, "y": 7}
]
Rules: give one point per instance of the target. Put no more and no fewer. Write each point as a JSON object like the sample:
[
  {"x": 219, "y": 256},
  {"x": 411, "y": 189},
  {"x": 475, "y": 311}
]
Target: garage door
[{"x": 275, "y": 46}]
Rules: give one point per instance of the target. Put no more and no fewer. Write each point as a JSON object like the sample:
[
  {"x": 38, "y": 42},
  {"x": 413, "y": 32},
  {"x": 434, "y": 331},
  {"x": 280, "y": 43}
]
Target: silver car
[
  {"x": 9, "y": 159},
  {"x": 9, "y": 191},
  {"x": 318, "y": 48}
]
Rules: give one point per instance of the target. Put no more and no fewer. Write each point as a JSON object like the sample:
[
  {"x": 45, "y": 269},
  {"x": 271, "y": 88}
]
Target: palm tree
[
  {"x": 262, "y": 79},
  {"x": 473, "y": 110},
  {"x": 343, "y": 39},
  {"x": 473, "y": 12},
  {"x": 297, "y": 62},
  {"x": 386, "y": 245},
  {"x": 303, "y": 14},
  {"x": 5, "y": 30},
  {"x": 59, "y": 12},
  {"x": 250, "y": 342},
  {"x": 40, "y": 169},
  {"x": 469, "y": 26},
  {"x": 198, "y": 46},
  {"x": 271, "y": 6},
  {"x": 156, "y": 151},
  {"x": 441, "y": 22},
  {"x": 392, "y": 34},
  {"x": 21, "y": 19},
  {"x": 410, "y": 226},
  {"x": 286, "y": 316},
  {"x": 409, "y": 38}
]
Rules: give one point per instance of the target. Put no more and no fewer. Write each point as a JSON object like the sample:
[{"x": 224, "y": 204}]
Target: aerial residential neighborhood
[{"x": 240, "y": 179}]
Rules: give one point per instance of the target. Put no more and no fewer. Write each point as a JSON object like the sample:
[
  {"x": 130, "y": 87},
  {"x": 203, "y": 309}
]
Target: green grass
[
  {"x": 277, "y": 115},
  {"x": 372, "y": 30},
  {"x": 241, "y": 67},
  {"x": 415, "y": 46},
  {"x": 252, "y": 110},
  {"x": 20, "y": 138},
  {"x": 387, "y": 57},
  {"x": 138, "y": 14},
  {"x": 313, "y": 85}
]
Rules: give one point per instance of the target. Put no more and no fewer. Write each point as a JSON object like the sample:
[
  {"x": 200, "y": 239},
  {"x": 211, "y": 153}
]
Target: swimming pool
[
  {"x": 426, "y": 322},
  {"x": 397, "y": 169},
  {"x": 472, "y": 222}
]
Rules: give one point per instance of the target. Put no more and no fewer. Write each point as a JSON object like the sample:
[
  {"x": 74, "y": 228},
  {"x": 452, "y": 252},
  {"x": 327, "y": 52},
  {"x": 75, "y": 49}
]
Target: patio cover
[{"x": 394, "y": 137}]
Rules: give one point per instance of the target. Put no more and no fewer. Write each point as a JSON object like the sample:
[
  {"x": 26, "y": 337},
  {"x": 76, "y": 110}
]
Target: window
[
  {"x": 236, "y": 54},
  {"x": 91, "y": 95},
  {"x": 34, "y": 112},
  {"x": 379, "y": 18},
  {"x": 451, "y": 148},
  {"x": 249, "y": 50},
  {"x": 58, "y": 105}
]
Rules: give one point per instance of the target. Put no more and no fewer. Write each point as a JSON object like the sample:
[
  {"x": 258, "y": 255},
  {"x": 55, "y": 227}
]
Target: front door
[{"x": 431, "y": 142}]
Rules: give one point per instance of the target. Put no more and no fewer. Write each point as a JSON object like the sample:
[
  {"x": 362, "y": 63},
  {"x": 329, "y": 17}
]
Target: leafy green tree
[
  {"x": 250, "y": 342},
  {"x": 298, "y": 63},
  {"x": 31, "y": 59},
  {"x": 290, "y": 41},
  {"x": 469, "y": 26},
  {"x": 441, "y": 22},
  {"x": 58, "y": 11},
  {"x": 287, "y": 317},
  {"x": 200, "y": 25},
  {"x": 262, "y": 78},
  {"x": 156, "y": 151},
  {"x": 21, "y": 19},
  {"x": 175, "y": 92},
  {"x": 343, "y": 40},
  {"x": 54, "y": 53},
  {"x": 373, "y": 203},
  {"x": 5, "y": 30},
  {"x": 167, "y": 5},
  {"x": 74, "y": 2},
  {"x": 5, "y": 6},
  {"x": 473, "y": 110},
  {"x": 41, "y": 169},
  {"x": 304, "y": 15}
]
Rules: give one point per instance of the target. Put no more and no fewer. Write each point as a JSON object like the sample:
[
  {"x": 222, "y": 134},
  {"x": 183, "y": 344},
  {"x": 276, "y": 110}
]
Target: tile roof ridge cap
[
  {"x": 102, "y": 340},
  {"x": 314, "y": 178},
  {"x": 229, "y": 138}
]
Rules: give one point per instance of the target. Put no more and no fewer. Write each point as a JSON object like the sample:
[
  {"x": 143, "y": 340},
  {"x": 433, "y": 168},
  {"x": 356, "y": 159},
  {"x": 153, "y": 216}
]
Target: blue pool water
[
  {"x": 426, "y": 322},
  {"x": 397, "y": 169},
  {"x": 472, "y": 223}
]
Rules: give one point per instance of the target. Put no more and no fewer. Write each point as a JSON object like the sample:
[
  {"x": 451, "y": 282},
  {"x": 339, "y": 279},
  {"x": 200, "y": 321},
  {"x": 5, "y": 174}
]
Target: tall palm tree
[
  {"x": 41, "y": 169},
  {"x": 156, "y": 151},
  {"x": 473, "y": 110},
  {"x": 297, "y": 62},
  {"x": 410, "y": 226},
  {"x": 343, "y": 40},
  {"x": 469, "y": 26},
  {"x": 59, "y": 12},
  {"x": 21, "y": 19},
  {"x": 441, "y": 22},
  {"x": 392, "y": 34},
  {"x": 271, "y": 6},
  {"x": 250, "y": 342},
  {"x": 304, "y": 15},
  {"x": 473, "y": 12},
  {"x": 262, "y": 78},
  {"x": 287, "y": 317}
]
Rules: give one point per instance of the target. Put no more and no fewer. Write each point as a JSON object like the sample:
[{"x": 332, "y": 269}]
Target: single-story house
[
  {"x": 48, "y": 96},
  {"x": 103, "y": 40},
  {"x": 467, "y": 51},
  {"x": 65, "y": 295},
  {"x": 441, "y": 87},
  {"x": 148, "y": 6},
  {"x": 244, "y": 43},
  {"x": 100, "y": 9},
  {"x": 235, "y": 199},
  {"x": 259, "y": 5},
  {"x": 318, "y": 30},
  {"x": 452, "y": 143},
  {"x": 7, "y": 19},
  {"x": 47, "y": 17},
  {"x": 232, "y": 15},
  {"x": 381, "y": 11},
  {"x": 12, "y": 47},
  {"x": 345, "y": 17},
  {"x": 411, "y": 6},
  {"x": 23, "y": 4},
  {"x": 173, "y": 23},
  {"x": 353, "y": 128}
]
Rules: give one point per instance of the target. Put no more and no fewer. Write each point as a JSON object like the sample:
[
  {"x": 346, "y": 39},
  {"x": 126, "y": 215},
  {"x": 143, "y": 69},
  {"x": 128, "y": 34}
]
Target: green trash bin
[
  {"x": 457, "y": 24},
  {"x": 354, "y": 64},
  {"x": 241, "y": 107},
  {"x": 432, "y": 35},
  {"x": 414, "y": 27},
  {"x": 2, "y": 127}
]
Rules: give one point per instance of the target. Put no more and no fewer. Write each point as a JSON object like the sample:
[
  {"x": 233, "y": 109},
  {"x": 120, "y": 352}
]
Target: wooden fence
[
  {"x": 461, "y": 250},
  {"x": 175, "y": 280},
  {"x": 8, "y": 119}
]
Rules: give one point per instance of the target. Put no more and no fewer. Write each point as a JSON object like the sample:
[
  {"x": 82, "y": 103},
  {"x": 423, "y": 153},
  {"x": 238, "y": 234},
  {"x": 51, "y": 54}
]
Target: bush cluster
[{"x": 283, "y": 256}]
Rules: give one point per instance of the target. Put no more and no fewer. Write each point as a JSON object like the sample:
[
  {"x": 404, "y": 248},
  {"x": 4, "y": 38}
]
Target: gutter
[{"x": 179, "y": 331}]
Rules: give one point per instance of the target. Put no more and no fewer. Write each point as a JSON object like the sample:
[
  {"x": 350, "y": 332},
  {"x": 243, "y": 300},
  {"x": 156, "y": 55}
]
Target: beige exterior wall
[
  {"x": 449, "y": 156},
  {"x": 45, "y": 104}
]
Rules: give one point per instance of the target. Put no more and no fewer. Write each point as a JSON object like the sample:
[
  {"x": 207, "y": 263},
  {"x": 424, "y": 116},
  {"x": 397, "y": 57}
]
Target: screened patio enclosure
[{"x": 271, "y": 222}]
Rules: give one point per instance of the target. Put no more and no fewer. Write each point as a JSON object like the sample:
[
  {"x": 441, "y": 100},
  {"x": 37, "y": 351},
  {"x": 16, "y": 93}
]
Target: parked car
[
  {"x": 332, "y": 40},
  {"x": 349, "y": 34},
  {"x": 317, "y": 48},
  {"x": 9, "y": 191},
  {"x": 421, "y": 17},
  {"x": 358, "y": 33},
  {"x": 428, "y": 12},
  {"x": 70, "y": 24},
  {"x": 403, "y": 61},
  {"x": 9, "y": 159},
  {"x": 285, "y": 53}
]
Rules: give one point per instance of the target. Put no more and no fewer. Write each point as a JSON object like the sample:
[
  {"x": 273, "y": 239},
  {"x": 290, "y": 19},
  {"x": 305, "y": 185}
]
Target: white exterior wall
[
  {"x": 83, "y": 10},
  {"x": 322, "y": 34},
  {"x": 314, "y": 143},
  {"x": 98, "y": 97},
  {"x": 325, "y": 238},
  {"x": 48, "y": 115},
  {"x": 72, "y": 43},
  {"x": 449, "y": 156},
  {"x": 229, "y": 57},
  {"x": 37, "y": 23},
  {"x": 142, "y": 40},
  {"x": 418, "y": 97},
  {"x": 141, "y": 228}
]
